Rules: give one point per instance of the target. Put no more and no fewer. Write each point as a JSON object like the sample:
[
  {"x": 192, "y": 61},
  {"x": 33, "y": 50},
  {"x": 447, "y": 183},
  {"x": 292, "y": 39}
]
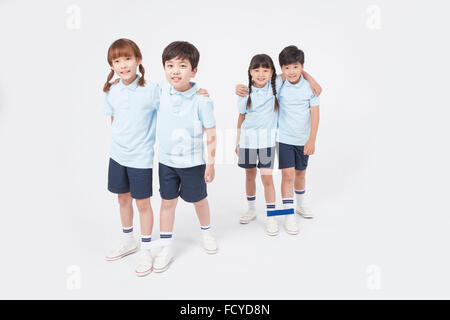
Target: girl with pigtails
[
  {"x": 132, "y": 105},
  {"x": 257, "y": 126}
]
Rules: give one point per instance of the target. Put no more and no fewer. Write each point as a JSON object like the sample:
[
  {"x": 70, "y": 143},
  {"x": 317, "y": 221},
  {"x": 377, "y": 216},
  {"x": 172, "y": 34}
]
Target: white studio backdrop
[{"x": 378, "y": 180}]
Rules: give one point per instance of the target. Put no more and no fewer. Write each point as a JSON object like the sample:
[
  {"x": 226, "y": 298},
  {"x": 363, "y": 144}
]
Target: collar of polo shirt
[
  {"x": 187, "y": 93},
  {"x": 263, "y": 89},
  {"x": 131, "y": 86},
  {"x": 298, "y": 84}
]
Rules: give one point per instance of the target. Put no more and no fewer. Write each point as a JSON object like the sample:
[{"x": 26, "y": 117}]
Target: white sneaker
[
  {"x": 304, "y": 210},
  {"x": 272, "y": 226},
  {"x": 163, "y": 260},
  {"x": 248, "y": 216},
  {"x": 291, "y": 224},
  {"x": 209, "y": 244},
  {"x": 122, "y": 251},
  {"x": 144, "y": 264}
]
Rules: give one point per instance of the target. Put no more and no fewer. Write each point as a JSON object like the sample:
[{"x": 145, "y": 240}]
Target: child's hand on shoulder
[
  {"x": 203, "y": 92},
  {"x": 209, "y": 173},
  {"x": 242, "y": 90},
  {"x": 309, "y": 147}
]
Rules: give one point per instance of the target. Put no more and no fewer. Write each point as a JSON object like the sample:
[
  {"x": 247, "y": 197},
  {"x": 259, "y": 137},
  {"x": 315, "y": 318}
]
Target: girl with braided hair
[
  {"x": 132, "y": 104},
  {"x": 257, "y": 125}
]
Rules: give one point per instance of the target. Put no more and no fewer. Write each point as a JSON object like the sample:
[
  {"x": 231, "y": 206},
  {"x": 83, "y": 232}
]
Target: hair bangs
[
  {"x": 119, "y": 50},
  {"x": 261, "y": 61}
]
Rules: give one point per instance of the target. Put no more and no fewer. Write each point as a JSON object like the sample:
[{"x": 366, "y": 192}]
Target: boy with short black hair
[
  {"x": 183, "y": 117},
  {"x": 298, "y": 123}
]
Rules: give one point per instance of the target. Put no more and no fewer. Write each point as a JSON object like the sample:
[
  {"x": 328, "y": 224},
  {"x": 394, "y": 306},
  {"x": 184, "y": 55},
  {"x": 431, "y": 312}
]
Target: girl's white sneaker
[
  {"x": 272, "y": 226},
  {"x": 248, "y": 216},
  {"x": 291, "y": 224},
  {"x": 209, "y": 244},
  {"x": 123, "y": 250},
  {"x": 304, "y": 210},
  {"x": 163, "y": 260},
  {"x": 144, "y": 264}
]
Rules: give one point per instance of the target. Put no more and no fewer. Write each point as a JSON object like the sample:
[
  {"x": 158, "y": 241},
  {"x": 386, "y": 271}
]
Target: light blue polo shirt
[
  {"x": 260, "y": 125},
  {"x": 294, "y": 122},
  {"x": 182, "y": 117},
  {"x": 134, "y": 109}
]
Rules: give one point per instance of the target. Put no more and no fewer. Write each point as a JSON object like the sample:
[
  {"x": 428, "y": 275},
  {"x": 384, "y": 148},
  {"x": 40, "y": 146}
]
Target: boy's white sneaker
[
  {"x": 209, "y": 244},
  {"x": 123, "y": 250},
  {"x": 272, "y": 226},
  {"x": 144, "y": 264},
  {"x": 304, "y": 210},
  {"x": 291, "y": 224},
  {"x": 163, "y": 260},
  {"x": 248, "y": 216}
]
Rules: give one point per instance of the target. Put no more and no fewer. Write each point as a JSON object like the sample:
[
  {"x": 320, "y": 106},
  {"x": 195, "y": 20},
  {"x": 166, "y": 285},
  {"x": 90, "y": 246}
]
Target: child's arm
[
  {"x": 241, "y": 119},
  {"x": 242, "y": 90},
  {"x": 310, "y": 144},
  {"x": 211, "y": 147},
  {"x": 316, "y": 88}
]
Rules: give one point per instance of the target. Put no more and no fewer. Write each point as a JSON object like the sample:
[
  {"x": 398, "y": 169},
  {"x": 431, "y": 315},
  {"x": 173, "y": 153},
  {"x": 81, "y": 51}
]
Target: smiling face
[
  {"x": 179, "y": 72},
  {"x": 292, "y": 71},
  {"x": 125, "y": 68},
  {"x": 261, "y": 76}
]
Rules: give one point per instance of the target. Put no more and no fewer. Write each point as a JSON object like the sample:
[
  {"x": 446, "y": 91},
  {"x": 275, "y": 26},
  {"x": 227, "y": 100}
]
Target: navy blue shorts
[
  {"x": 123, "y": 179},
  {"x": 188, "y": 183},
  {"x": 291, "y": 156},
  {"x": 250, "y": 158}
]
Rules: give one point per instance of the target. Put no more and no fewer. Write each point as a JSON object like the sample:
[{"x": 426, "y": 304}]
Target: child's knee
[
  {"x": 168, "y": 205},
  {"x": 267, "y": 180},
  {"x": 287, "y": 176},
  {"x": 250, "y": 174},
  {"x": 201, "y": 204},
  {"x": 124, "y": 199},
  {"x": 143, "y": 204},
  {"x": 300, "y": 174}
]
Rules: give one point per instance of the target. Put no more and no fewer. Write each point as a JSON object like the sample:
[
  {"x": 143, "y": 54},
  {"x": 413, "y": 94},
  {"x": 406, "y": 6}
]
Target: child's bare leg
[
  {"x": 287, "y": 183},
  {"x": 202, "y": 210},
  {"x": 167, "y": 214},
  {"x": 267, "y": 181},
  {"x": 126, "y": 209},
  {"x": 300, "y": 180},
  {"x": 146, "y": 215},
  {"x": 250, "y": 181}
]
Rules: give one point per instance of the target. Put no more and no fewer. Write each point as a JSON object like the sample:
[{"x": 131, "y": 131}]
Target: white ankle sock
[
  {"x": 270, "y": 207},
  {"x": 146, "y": 243},
  {"x": 165, "y": 239},
  {"x": 288, "y": 203},
  {"x": 299, "y": 196},
  {"x": 206, "y": 230},
  {"x": 128, "y": 234},
  {"x": 251, "y": 202}
]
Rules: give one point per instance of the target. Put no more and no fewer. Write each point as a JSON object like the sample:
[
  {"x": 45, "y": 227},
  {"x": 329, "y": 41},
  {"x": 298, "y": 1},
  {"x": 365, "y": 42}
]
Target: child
[
  {"x": 257, "y": 125},
  {"x": 183, "y": 119},
  {"x": 132, "y": 104},
  {"x": 290, "y": 125},
  {"x": 298, "y": 124}
]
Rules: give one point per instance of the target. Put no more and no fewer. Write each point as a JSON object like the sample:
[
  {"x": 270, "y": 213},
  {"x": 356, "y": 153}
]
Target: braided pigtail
[
  {"x": 249, "y": 100},
  {"x": 274, "y": 90},
  {"x": 108, "y": 84},
  {"x": 141, "y": 81}
]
